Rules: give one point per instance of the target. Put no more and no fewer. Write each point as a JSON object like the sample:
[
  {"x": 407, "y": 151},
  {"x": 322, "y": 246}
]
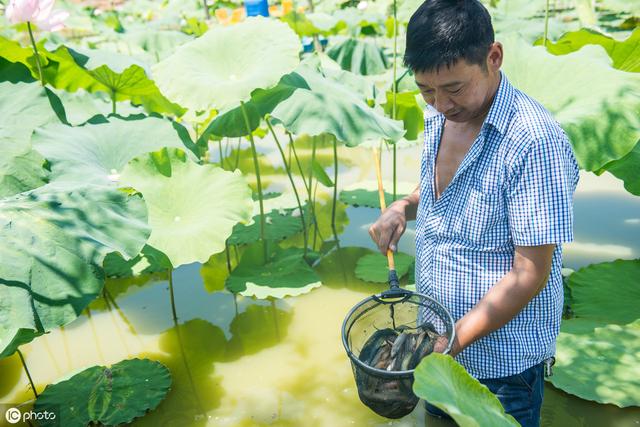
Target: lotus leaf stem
[
  {"x": 258, "y": 181},
  {"x": 293, "y": 185},
  {"x": 35, "y": 50},
  {"x": 26, "y": 370},
  {"x": 173, "y": 302}
]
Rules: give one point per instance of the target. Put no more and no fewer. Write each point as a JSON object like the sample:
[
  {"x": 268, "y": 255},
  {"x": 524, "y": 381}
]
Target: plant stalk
[
  {"x": 293, "y": 185},
  {"x": 304, "y": 181},
  {"x": 258, "y": 181},
  {"x": 207, "y": 16},
  {"x": 546, "y": 25},
  {"x": 26, "y": 370},
  {"x": 221, "y": 155},
  {"x": 395, "y": 90},
  {"x": 35, "y": 50},
  {"x": 335, "y": 184},
  {"x": 173, "y": 301}
]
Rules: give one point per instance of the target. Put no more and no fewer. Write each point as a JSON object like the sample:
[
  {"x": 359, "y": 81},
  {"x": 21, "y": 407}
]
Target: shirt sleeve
[{"x": 540, "y": 194}]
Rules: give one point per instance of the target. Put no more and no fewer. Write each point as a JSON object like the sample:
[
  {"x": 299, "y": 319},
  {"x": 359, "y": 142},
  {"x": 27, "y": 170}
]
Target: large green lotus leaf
[
  {"x": 232, "y": 123},
  {"x": 97, "y": 153},
  {"x": 279, "y": 224},
  {"x": 374, "y": 267},
  {"x": 625, "y": 54},
  {"x": 54, "y": 240},
  {"x": 221, "y": 68},
  {"x": 94, "y": 70},
  {"x": 608, "y": 291},
  {"x": 359, "y": 56},
  {"x": 106, "y": 396},
  {"x": 409, "y": 111},
  {"x": 349, "y": 119},
  {"x": 600, "y": 362},
  {"x": 444, "y": 383},
  {"x": 626, "y": 169},
  {"x": 602, "y": 121},
  {"x": 285, "y": 273},
  {"x": 192, "y": 208},
  {"x": 23, "y": 107},
  {"x": 158, "y": 43}
]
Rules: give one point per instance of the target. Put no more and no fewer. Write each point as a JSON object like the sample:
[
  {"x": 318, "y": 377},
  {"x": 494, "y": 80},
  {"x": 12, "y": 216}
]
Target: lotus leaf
[
  {"x": 409, "y": 110},
  {"x": 221, "y": 68},
  {"x": 350, "y": 119},
  {"x": 285, "y": 271},
  {"x": 106, "y": 396},
  {"x": 192, "y": 208},
  {"x": 97, "y": 153},
  {"x": 600, "y": 362},
  {"x": 115, "y": 75},
  {"x": 359, "y": 56},
  {"x": 54, "y": 241},
  {"x": 624, "y": 54},
  {"x": 374, "y": 268},
  {"x": 607, "y": 292},
  {"x": 602, "y": 121},
  {"x": 626, "y": 169},
  {"x": 444, "y": 383},
  {"x": 279, "y": 224}
]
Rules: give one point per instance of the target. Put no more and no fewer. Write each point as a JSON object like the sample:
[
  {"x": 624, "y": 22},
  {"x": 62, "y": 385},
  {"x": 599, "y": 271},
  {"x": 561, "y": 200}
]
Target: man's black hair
[{"x": 441, "y": 32}]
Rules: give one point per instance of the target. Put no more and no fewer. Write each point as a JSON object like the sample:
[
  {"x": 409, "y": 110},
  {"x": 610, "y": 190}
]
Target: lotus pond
[{"x": 185, "y": 195}]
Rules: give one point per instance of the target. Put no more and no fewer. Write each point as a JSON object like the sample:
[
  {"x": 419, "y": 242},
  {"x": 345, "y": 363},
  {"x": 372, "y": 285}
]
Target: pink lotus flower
[{"x": 39, "y": 12}]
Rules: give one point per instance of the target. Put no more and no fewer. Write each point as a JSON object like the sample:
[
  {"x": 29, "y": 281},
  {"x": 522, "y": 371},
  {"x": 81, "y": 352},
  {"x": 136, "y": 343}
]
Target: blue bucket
[{"x": 257, "y": 7}]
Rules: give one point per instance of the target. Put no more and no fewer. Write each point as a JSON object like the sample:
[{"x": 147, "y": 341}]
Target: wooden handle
[{"x": 383, "y": 203}]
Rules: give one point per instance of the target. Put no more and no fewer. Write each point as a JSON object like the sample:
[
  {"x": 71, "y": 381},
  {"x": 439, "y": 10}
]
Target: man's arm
[
  {"x": 527, "y": 277},
  {"x": 386, "y": 231}
]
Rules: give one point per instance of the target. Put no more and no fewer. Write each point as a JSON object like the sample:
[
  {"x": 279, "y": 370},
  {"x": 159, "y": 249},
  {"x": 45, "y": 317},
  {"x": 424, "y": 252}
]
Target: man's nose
[{"x": 442, "y": 103}]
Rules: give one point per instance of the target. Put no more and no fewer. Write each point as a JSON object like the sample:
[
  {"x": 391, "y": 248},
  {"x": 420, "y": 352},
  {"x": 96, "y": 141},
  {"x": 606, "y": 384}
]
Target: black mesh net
[{"x": 386, "y": 336}]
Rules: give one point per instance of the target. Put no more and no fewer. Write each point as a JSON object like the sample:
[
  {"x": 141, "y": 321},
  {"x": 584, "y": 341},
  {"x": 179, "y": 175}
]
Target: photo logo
[{"x": 13, "y": 415}]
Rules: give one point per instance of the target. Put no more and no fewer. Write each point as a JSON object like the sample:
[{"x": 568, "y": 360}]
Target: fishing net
[{"x": 385, "y": 336}]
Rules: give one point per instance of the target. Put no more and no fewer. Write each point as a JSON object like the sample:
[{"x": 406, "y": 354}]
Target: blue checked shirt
[{"x": 513, "y": 188}]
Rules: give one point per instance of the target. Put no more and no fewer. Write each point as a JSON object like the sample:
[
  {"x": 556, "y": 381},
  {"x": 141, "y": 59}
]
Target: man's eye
[{"x": 455, "y": 92}]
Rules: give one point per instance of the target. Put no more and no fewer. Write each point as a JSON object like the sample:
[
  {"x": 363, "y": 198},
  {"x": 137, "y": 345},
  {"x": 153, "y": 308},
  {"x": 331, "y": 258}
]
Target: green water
[{"x": 238, "y": 361}]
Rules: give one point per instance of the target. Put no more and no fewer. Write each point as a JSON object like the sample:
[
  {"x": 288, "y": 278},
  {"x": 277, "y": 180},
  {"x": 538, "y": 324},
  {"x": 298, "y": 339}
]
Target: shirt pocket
[{"x": 480, "y": 218}]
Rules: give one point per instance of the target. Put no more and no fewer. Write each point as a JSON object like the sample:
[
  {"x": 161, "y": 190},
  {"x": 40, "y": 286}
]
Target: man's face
[{"x": 462, "y": 91}]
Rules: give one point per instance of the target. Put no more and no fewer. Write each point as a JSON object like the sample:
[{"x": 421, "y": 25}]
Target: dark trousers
[{"x": 520, "y": 394}]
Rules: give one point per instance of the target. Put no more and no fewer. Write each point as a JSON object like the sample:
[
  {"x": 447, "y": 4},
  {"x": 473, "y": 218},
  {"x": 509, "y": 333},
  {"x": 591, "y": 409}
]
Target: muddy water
[{"x": 238, "y": 361}]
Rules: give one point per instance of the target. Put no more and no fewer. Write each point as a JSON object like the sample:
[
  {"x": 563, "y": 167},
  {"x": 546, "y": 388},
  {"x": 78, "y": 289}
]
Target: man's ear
[{"x": 494, "y": 57}]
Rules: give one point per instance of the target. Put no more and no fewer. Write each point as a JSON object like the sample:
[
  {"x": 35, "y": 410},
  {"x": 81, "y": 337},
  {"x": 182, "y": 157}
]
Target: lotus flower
[{"x": 39, "y": 12}]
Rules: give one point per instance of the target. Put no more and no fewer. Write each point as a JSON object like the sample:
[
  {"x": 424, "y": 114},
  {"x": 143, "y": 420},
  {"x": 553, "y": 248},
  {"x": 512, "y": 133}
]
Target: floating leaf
[
  {"x": 374, "y": 267},
  {"x": 444, "y": 383},
  {"x": 285, "y": 273},
  {"x": 279, "y": 224},
  {"x": 221, "y": 68},
  {"x": 54, "y": 241},
  {"x": 602, "y": 121},
  {"x": 359, "y": 56},
  {"x": 97, "y": 153},
  {"x": 607, "y": 291},
  {"x": 600, "y": 362},
  {"x": 149, "y": 260},
  {"x": 349, "y": 119},
  {"x": 107, "y": 396},
  {"x": 192, "y": 208}
]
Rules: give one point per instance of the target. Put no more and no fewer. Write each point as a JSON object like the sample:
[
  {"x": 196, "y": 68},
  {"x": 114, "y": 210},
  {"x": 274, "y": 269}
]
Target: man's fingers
[
  {"x": 395, "y": 237},
  {"x": 385, "y": 238}
]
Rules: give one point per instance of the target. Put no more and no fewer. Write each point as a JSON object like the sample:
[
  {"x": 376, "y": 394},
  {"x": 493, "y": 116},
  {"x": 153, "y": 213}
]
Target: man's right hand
[{"x": 386, "y": 231}]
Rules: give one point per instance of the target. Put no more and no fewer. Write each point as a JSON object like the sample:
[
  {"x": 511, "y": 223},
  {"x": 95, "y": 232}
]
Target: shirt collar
[{"x": 500, "y": 111}]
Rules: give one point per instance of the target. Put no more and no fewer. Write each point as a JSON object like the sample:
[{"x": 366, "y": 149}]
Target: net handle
[{"x": 393, "y": 276}]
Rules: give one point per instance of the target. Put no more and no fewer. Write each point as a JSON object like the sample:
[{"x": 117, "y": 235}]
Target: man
[{"x": 494, "y": 205}]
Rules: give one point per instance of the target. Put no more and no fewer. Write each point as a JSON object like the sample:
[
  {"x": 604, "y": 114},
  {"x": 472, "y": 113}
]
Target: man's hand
[{"x": 386, "y": 231}]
